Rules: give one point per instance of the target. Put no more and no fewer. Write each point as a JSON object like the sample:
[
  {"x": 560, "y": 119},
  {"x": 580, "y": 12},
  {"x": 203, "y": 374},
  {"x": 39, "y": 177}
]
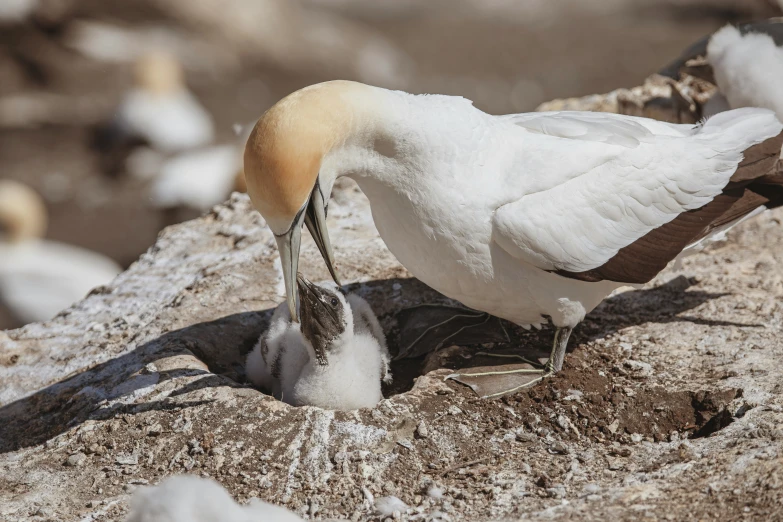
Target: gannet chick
[
  {"x": 533, "y": 218},
  {"x": 277, "y": 359},
  {"x": 159, "y": 110},
  {"x": 748, "y": 69},
  {"x": 346, "y": 365},
  {"x": 335, "y": 358},
  {"x": 39, "y": 278},
  {"x": 188, "y": 498},
  {"x": 366, "y": 323},
  {"x": 745, "y": 63}
]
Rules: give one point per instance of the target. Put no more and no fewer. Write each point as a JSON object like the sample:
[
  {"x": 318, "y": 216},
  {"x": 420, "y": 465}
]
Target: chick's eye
[{"x": 334, "y": 301}]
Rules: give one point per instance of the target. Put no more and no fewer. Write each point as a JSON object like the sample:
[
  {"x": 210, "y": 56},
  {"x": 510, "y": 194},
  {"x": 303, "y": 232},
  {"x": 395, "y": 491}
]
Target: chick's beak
[
  {"x": 288, "y": 244},
  {"x": 317, "y": 319}
]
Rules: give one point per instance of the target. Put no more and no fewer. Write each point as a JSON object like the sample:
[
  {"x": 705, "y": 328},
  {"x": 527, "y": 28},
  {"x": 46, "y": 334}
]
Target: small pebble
[
  {"x": 77, "y": 459},
  {"x": 389, "y": 506},
  {"x": 591, "y": 488}
]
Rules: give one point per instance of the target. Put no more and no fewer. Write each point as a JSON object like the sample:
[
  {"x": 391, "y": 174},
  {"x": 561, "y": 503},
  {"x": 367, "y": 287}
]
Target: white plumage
[
  {"x": 160, "y": 109},
  {"x": 280, "y": 351},
  {"x": 39, "y": 278},
  {"x": 170, "y": 122},
  {"x": 582, "y": 223},
  {"x": 748, "y": 70},
  {"x": 482, "y": 208},
  {"x": 188, "y": 498},
  {"x": 199, "y": 179},
  {"x": 284, "y": 360}
]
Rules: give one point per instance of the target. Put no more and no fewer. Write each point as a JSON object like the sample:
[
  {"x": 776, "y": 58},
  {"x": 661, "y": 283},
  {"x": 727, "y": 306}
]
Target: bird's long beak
[
  {"x": 288, "y": 244},
  {"x": 315, "y": 219}
]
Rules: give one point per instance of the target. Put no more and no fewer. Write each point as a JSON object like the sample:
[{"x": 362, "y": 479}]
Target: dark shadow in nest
[
  {"x": 462, "y": 343},
  {"x": 222, "y": 344}
]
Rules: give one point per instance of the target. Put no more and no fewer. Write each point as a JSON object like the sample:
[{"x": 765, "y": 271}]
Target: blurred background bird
[
  {"x": 157, "y": 112},
  {"x": 38, "y": 278}
]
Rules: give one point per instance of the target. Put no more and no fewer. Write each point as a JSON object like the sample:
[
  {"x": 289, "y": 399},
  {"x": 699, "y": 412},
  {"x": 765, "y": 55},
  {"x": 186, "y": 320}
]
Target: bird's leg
[
  {"x": 555, "y": 362},
  {"x": 497, "y": 381}
]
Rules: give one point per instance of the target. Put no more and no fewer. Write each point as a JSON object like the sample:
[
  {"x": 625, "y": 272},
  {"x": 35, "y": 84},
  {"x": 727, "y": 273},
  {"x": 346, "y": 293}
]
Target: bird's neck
[{"x": 372, "y": 147}]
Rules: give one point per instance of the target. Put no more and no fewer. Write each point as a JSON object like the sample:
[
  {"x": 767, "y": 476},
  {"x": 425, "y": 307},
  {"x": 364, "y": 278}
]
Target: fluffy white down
[
  {"x": 748, "y": 69},
  {"x": 188, "y": 498},
  {"x": 39, "y": 278},
  {"x": 350, "y": 381},
  {"x": 358, "y": 361},
  {"x": 365, "y": 322},
  {"x": 284, "y": 349},
  {"x": 170, "y": 122}
]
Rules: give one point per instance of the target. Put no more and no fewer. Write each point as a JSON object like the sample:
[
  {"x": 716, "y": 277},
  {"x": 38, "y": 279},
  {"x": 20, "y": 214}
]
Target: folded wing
[{"x": 625, "y": 219}]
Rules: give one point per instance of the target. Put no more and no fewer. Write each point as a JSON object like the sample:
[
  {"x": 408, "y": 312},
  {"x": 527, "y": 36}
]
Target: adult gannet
[
  {"x": 38, "y": 278},
  {"x": 335, "y": 359},
  {"x": 159, "y": 111},
  {"x": 529, "y": 217}
]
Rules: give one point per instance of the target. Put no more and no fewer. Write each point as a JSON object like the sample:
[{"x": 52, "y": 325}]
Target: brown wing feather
[{"x": 759, "y": 160}]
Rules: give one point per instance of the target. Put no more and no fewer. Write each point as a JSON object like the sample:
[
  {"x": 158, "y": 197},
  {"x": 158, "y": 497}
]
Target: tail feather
[{"x": 740, "y": 129}]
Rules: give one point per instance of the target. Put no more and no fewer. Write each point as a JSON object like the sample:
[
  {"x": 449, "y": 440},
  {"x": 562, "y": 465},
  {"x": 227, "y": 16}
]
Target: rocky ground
[{"x": 670, "y": 405}]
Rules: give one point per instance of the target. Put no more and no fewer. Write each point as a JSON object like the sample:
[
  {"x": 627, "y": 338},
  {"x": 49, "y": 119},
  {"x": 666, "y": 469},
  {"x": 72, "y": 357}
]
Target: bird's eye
[{"x": 334, "y": 301}]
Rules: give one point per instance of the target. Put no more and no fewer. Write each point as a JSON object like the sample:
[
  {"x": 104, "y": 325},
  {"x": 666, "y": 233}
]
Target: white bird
[
  {"x": 529, "y": 217},
  {"x": 188, "y": 498},
  {"x": 160, "y": 110},
  {"x": 335, "y": 359},
  {"x": 39, "y": 278}
]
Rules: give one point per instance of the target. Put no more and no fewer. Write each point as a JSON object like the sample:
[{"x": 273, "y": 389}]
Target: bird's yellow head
[
  {"x": 283, "y": 158},
  {"x": 22, "y": 212}
]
